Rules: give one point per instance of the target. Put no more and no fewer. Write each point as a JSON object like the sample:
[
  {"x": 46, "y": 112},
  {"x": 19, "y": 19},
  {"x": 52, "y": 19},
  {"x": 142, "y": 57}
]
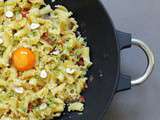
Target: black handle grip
[
  {"x": 124, "y": 83},
  {"x": 124, "y": 39}
]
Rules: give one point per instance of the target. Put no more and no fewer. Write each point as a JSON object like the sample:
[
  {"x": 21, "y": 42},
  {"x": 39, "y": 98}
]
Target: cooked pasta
[{"x": 43, "y": 62}]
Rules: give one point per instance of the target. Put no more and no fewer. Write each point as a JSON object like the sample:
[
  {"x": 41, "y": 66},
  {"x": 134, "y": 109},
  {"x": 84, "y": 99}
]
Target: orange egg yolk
[{"x": 23, "y": 59}]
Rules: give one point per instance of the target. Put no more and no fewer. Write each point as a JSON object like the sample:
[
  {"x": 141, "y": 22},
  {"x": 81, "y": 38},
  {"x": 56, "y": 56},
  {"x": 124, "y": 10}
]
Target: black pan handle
[{"x": 126, "y": 41}]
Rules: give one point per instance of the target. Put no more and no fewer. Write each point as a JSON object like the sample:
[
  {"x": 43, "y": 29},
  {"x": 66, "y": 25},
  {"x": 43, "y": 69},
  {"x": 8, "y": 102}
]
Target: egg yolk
[{"x": 23, "y": 59}]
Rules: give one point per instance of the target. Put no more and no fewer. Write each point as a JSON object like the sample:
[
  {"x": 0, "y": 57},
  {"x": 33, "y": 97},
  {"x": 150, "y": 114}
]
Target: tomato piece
[
  {"x": 82, "y": 99},
  {"x": 23, "y": 59},
  {"x": 24, "y": 13}
]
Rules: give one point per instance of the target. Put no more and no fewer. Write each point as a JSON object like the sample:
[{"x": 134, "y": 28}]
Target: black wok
[{"x": 105, "y": 78}]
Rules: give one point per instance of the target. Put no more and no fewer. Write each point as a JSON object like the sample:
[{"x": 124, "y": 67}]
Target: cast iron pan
[{"x": 105, "y": 78}]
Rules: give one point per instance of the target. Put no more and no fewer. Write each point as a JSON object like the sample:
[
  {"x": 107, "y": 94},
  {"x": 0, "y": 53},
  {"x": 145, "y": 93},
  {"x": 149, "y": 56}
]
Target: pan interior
[{"x": 96, "y": 26}]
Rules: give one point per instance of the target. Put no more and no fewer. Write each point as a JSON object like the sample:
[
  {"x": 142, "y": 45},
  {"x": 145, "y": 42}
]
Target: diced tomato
[
  {"x": 82, "y": 99},
  {"x": 30, "y": 107},
  {"x": 46, "y": 38},
  {"x": 80, "y": 62},
  {"x": 33, "y": 104},
  {"x": 24, "y": 13},
  {"x": 45, "y": 35}
]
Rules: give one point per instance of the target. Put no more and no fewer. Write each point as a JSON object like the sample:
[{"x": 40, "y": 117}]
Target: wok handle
[
  {"x": 150, "y": 59},
  {"x": 126, "y": 41}
]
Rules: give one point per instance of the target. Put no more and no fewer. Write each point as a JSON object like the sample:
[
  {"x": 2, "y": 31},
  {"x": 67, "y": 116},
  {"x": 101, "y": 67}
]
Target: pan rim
[{"x": 108, "y": 103}]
